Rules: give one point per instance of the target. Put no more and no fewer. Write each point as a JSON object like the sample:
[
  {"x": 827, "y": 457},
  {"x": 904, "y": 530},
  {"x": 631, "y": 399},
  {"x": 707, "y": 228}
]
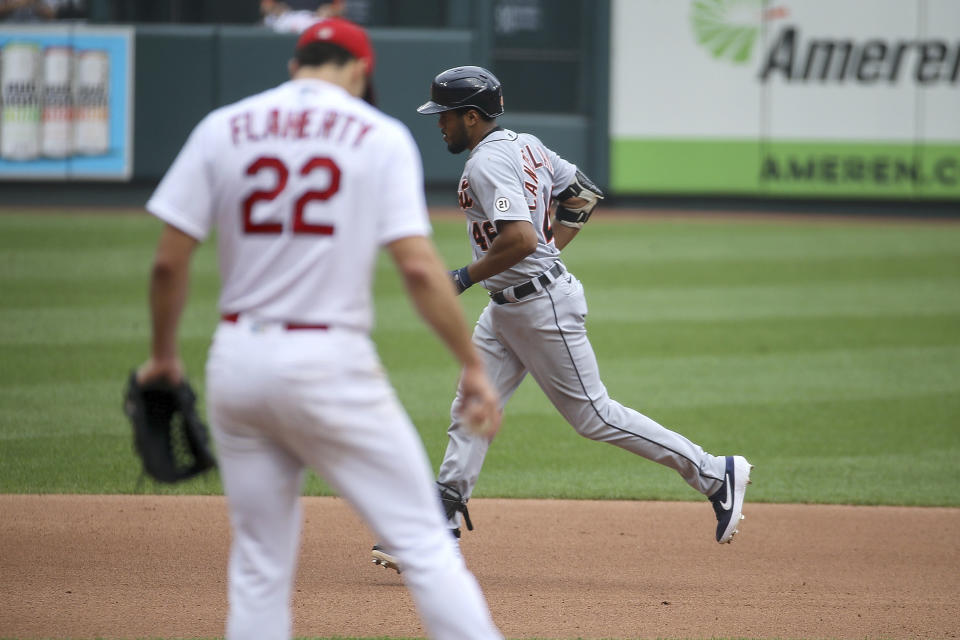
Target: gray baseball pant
[{"x": 545, "y": 335}]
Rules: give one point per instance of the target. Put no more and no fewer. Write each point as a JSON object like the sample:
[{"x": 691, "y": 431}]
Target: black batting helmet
[{"x": 465, "y": 87}]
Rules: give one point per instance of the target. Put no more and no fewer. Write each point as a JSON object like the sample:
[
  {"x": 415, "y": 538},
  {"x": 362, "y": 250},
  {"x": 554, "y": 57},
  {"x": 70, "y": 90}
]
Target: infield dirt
[{"x": 155, "y": 566}]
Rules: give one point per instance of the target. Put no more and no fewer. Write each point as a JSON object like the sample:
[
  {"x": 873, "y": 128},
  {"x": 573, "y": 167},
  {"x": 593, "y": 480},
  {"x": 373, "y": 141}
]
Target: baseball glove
[
  {"x": 172, "y": 442},
  {"x": 582, "y": 187}
]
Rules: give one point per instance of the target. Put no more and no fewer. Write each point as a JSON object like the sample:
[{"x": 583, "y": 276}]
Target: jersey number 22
[{"x": 282, "y": 174}]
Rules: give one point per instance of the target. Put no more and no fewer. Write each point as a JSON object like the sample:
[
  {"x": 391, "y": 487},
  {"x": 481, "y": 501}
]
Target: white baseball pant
[{"x": 280, "y": 401}]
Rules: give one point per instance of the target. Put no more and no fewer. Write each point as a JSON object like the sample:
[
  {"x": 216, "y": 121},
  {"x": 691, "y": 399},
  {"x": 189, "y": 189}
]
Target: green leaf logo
[{"x": 728, "y": 29}]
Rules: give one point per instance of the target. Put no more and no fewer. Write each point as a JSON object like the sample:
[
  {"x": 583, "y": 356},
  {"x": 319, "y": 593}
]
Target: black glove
[
  {"x": 581, "y": 187},
  {"x": 461, "y": 279},
  {"x": 168, "y": 435}
]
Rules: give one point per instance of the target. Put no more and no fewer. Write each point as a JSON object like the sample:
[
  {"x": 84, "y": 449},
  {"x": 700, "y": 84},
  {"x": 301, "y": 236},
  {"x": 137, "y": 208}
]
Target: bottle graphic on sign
[
  {"x": 20, "y": 73},
  {"x": 57, "y": 120},
  {"x": 91, "y": 100}
]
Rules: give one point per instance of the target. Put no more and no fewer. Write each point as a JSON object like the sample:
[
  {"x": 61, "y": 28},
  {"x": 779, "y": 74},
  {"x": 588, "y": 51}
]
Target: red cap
[{"x": 342, "y": 33}]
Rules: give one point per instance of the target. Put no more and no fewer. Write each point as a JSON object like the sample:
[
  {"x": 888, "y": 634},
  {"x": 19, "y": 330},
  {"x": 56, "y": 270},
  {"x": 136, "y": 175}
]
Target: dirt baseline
[{"x": 148, "y": 566}]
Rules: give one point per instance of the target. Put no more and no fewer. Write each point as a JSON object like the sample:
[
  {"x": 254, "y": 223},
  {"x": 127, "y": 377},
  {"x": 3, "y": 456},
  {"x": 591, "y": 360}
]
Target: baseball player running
[
  {"x": 534, "y": 322},
  {"x": 304, "y": 183}
]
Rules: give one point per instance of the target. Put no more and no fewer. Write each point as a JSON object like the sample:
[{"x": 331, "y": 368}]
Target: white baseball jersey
[
  {"x": 512, "y": 176},
  {"x": 291, "y": 21},
  {"x": 303, "y": 182}
]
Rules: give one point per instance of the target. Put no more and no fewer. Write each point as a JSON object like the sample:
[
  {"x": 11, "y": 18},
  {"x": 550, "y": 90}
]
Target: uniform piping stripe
[{"x": 556, "y": 321}]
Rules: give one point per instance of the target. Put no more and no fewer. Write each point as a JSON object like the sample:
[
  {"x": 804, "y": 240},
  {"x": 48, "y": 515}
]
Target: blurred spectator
[
  {"x": 28, "y": 10},
  {"x": 41, "y": 10},
  {"x": 294, "y": 16}
]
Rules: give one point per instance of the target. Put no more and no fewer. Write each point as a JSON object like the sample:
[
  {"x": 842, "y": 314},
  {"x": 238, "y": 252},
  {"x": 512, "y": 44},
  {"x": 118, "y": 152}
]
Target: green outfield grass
[{"x": 826, "y": 352}]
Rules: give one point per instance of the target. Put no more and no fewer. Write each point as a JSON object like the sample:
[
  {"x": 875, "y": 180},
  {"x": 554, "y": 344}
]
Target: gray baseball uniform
[{"x": 511, "y": 176}]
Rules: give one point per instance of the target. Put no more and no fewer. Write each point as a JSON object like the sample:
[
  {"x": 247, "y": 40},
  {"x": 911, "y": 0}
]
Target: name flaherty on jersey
[{"x": 298, "y": 124}]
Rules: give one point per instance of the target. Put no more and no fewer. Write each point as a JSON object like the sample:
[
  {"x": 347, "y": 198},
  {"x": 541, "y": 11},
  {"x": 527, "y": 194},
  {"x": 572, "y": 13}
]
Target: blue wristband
[
  {"x": 461, "y": 279},
  {"x": 464, "y": 275}
]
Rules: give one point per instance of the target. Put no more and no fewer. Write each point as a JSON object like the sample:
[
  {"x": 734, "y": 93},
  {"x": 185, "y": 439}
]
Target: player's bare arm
[
  {"x": 169, "y": 279},
  {"x": 428, "y": 285},
  {"x": 563, "y": 234},
  {"x": 516, "y": 239},
  {"x": 575, "y": 206}
]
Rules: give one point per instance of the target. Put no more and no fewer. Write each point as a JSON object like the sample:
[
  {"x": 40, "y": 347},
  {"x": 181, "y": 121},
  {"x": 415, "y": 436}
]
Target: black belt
[{"x": 521, "y": 291}]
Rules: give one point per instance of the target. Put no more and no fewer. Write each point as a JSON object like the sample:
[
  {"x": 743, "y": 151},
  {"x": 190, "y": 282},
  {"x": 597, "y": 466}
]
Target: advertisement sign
[
  {"x": 66, "y": 106},
  {"x": 823, "y": 98}
]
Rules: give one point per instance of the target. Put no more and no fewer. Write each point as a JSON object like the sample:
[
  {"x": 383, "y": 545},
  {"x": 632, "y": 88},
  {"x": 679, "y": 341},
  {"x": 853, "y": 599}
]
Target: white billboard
[{"x": 804, "y": 97}]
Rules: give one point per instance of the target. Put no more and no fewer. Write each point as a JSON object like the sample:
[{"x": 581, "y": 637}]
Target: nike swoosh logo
[{"x": 726, "y": 504}]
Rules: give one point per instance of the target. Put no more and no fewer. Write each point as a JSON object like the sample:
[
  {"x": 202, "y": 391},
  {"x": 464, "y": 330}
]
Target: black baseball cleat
[{"x": 728, "y": 499}]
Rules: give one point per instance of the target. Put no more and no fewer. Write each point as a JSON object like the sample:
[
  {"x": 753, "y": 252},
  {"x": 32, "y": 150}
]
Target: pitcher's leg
[
  {"x": 465, "y": 452},
  {"x": 383, "y": 471},
  {"x": 262, "y": 483}
]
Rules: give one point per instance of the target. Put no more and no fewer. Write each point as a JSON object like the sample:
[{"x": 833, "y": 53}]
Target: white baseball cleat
[
  {"x": 384, "y": 559},
  {"x": 728, "y": 500}
]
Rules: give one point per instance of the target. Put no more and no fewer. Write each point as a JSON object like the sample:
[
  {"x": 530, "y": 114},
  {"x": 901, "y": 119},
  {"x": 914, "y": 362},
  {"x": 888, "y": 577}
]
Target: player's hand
[
  {"x": 170, "y": 369},
  {"x": 480, "y": 406}
]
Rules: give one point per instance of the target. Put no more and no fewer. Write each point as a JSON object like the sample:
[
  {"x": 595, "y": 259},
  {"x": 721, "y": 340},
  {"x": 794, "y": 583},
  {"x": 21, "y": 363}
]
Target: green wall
[{"x": 182, "y": 72}]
